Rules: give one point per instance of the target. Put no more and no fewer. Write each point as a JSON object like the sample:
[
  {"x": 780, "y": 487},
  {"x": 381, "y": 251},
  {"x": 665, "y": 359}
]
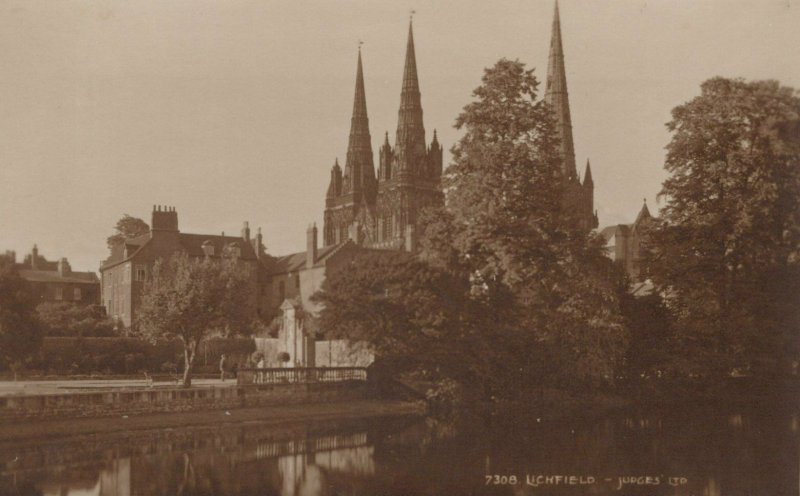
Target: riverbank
[
  {"x": 267, "y": 415},
  {"x": 118, "y": 402}
]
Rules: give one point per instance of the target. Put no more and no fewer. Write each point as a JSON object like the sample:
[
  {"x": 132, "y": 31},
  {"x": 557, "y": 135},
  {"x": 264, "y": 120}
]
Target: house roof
[
  {"x": 53, "y": 276},
  {"x": 297, "y": 261},
  {"x": 191, "y": 243}
]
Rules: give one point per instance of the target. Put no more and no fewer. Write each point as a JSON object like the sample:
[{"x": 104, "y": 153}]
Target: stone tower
[
  {"x": 383, "y": 213},
  {"x": 579, "y": 197}
]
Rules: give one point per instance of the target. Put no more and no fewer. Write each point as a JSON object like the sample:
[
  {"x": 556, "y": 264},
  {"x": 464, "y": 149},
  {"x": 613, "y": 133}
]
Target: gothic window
[
  {"x": 76, "y": 294},
  {"x": 59, "y": 293},
  {"x": 387, "y": 228}
]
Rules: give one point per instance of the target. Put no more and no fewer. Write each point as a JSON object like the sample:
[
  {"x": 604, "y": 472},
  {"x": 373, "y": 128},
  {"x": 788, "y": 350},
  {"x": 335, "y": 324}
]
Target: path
[{"x": 65, "y": 386}]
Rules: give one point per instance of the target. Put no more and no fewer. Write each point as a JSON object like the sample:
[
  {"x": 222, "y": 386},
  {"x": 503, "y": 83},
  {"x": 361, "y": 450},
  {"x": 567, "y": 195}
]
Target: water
[{"x": 750, "y": 451}]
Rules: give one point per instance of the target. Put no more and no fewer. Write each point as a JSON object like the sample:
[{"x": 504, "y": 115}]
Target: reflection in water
[
  {"x": 112, "y": 481},
  {"x": 745, "y": 452}
]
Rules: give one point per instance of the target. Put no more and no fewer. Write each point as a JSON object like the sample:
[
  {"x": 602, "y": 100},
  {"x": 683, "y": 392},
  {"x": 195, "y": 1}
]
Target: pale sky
[{"x": 235, "y": 110}]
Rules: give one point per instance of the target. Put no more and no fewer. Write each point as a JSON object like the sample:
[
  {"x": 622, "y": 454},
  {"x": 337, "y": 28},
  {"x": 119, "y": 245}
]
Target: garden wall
[{"x": 163, "y": 400}]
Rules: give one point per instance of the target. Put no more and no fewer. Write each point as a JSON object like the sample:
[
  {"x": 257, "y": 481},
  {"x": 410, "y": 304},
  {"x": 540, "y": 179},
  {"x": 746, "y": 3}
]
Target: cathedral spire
[
  {"x": 587, "y": 175},
  {"x": 359, "y": 168},
  {"x": 556, "y": 95},
  {"x": 410, "y": 131}
]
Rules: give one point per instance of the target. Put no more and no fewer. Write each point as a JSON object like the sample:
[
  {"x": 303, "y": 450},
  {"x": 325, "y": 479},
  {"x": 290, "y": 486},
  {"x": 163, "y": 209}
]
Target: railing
[{"x": 300, "y": 375}]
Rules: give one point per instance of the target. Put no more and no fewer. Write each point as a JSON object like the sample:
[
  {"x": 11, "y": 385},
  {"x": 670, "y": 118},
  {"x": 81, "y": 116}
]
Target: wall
[
  {"x": 167, "y": 400},
  {"x": 341, "y": 353},
  {"x": 334, "y": 353}
]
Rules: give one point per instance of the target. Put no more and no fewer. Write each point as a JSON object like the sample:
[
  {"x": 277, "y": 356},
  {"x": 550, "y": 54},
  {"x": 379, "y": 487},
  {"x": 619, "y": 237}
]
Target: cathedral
[
  {"x": 381, "y": 211},
  {"x": 578, "y": 197}
]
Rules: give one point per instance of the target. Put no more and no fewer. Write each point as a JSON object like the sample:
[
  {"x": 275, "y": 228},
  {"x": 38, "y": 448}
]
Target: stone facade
[
  {"x": 124, "y": 272},
  {"x": 381, "y": 212},
  {"x": 290, "y": 281},
  {"x": 624, "y": 241},
  {"x": 56, "y": 282}
]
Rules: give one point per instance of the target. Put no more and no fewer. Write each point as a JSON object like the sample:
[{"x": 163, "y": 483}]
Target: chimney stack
[
  {"x": 164, "y": 219},
  {"x": 311, "y": 245},
  {"x": 259, "y": 244},
  {"x": 63, "y": 267},
  {"x": 34, "y": 257},
  {"x": 246, "y": 232}
]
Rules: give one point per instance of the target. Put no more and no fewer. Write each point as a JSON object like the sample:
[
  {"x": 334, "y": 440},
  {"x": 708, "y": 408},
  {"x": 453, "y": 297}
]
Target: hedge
[{"x": 67, "y": 355}]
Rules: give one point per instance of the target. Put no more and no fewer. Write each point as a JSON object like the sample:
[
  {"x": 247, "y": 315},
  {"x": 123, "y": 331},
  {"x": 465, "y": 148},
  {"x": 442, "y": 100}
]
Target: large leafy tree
[
  {"x": 726, "y": 249},
  {"x": 127, "y": 227},
  {"x": 506, "y": 224},
  {"x": 193, "y": 298},
  {"x": 415, "y": 317},
  {"x": 20, "y": 330}
]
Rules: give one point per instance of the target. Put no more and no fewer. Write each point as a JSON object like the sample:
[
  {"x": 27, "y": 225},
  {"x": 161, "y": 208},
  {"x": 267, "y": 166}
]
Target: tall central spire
[
  {"x": 359, "y": 168},
  {"x": 557, "y": 96},
  {"x": 410, "y": 131}
]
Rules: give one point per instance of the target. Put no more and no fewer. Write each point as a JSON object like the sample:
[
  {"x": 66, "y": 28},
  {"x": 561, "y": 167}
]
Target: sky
[{"x": 235, "y": 110}]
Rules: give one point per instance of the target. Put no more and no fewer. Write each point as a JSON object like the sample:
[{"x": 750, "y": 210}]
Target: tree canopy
[
  {"x": 127, "y": 227},
  {"x": 510, "y": 228},
  {"x": 20, "y": 330},
  {"x": 194, "y": 298},
  {"x": 727, "y": 248}
]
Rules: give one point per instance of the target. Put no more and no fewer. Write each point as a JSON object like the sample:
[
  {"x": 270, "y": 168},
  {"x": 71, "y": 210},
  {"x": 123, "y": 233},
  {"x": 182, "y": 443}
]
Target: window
[
  {"x": 281, "y": 291},
  {"x": 297, "y": 282},
  {"x": 387, "y": 228},
  {"x": 59, "y": 293},
  {"x": 76, "y": 294},
  {"x": 141, "y": 273}
]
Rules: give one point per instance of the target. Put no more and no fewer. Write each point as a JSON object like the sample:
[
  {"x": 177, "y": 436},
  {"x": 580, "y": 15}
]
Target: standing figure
[{"x": 222, "y": 368}]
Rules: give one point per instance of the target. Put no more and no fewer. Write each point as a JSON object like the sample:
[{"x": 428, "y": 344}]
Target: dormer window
[
  {"x": 208, "y": 248},
  {"x": 234, "y": 250}
]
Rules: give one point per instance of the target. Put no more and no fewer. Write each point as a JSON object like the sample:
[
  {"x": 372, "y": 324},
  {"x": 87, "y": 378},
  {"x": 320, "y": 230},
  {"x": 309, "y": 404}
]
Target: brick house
[
  {"x": 129, "y": 264},
  {"x": 56, "y": 282}
]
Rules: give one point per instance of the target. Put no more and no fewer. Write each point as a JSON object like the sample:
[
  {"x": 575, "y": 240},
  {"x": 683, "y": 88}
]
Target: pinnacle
[{"x": 587, "y": 175}]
